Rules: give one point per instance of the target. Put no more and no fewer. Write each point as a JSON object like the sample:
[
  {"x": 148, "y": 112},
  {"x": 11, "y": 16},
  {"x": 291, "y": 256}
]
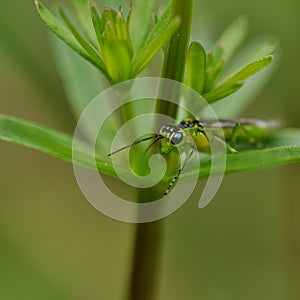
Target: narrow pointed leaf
[
  {"x": 109, "y": 15},
  {"x": 266, "y": 49},
  {"x": 249, "y": 161},
  {"x": 74, "y": 71},
  {"x": 62, "y": 32},
  {"x": 224, "y": 49},
  {"x": 213, "y": 75},
  {"x": 251, "y": 69},
  {"x": 222, "y": 92},
  {"x": 232, "y": 38},
  {"x": 122, "y": 32},
  {"x": 59, "y": 145},
  {"x": 140, "y": 22},
  {"x": 160, "y": 25},
  {"x": 97, "y": 24},
  {"x": 85, "y": 45},
  {"x": 46, "y": 140},
  {"x": 214, "y": 57},
  {"x": 234, "y": 83},
  {"x": 118, "y": 60},
  {"x": 147, "y": 54},
  {"x": 283, "y": 148},
  {"x": 214, "y": 67},
  {"x": 82, "y": 11}
]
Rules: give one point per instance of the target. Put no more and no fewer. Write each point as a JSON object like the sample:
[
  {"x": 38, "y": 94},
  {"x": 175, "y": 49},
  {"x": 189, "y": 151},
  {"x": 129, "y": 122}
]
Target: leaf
[
  {"x": 96, "y": 23},
  {"x": 236, "y": 103},
  {"x": 234, "y": 83},
  {"x": 257, "y": 159},
  {"x": 117, "y": 58},
  {"x": 59, "y": 145},
  {"x": 147, "y": 54},
  {"x": 232, "y": 38},
  {"x": 140, "y": 22},
  {"x": 251, "y": 69},
  {"x": 161, "y": 25},
  {"x": 266, "y": 49},
  {"x": 58, "y": 29},
  {"x": 222, "y": 92},
  {"x": 212, "y": 76},
  {"x": 46, "y": 140},
  {"x": 82, "y": 82},
  {"x": 224, "y": 49},
  {"x": 82, "y": 10},
  {"x": 196, "y": 67},
  {"x": 287, "y": 152},
  {"x": 84, "y": 44}
]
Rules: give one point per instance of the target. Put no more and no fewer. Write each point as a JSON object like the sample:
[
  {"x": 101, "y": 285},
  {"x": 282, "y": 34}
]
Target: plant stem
[
  {"x": 175, "y": 58},
  {"x": 146, "y": 260},
  {"x": 148, "y": 240}
]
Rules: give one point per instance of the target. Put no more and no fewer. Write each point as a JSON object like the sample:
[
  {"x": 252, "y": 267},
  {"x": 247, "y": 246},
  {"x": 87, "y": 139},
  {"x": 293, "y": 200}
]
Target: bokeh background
[{"x": 55, "y": 245}]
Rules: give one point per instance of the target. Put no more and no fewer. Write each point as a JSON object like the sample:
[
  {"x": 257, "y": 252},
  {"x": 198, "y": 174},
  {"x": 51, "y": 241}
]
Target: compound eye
[{"x": 176, "y": 138}]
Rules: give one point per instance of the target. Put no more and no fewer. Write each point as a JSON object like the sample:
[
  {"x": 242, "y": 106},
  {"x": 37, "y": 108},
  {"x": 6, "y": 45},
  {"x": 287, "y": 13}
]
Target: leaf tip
[{"x": 39, "y": 6}]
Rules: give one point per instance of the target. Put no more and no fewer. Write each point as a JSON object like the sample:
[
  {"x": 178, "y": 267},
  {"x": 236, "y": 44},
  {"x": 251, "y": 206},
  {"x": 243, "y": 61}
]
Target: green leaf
[
  {"x": 236, "y": 103},
  {"x": 46, "y": 140},
  {"x": 224, "y": 49},
  {"x": 222, "y": 91},
  {"x": 161, "y": 25},
  {"x": 234, "y": 83},
  {"x": 108, "y": 15},
  {"x": 232, "y": 38},
  {"x": 58, "y": 29},
  {"x": 140, "y": 22},
  {"x": 284, "y": 148},
  {"x": 266, "y": 49},
  {"x": 118, "y": 60},
  {"x": 123, "y": 32},
  {"x": 196, "y": 67},
  {"x": 82, "y": 83},
  {"x": 59, "y": 145},
  {"x": 214, "y": 58},
  {"x": 251, "y": 69},
  {"x": 83, "y": 14},
  {"x": 251, "y": 160},
  {"x": 147, "y": 54},
  {"x": 212, "y": 76},
  {"x": 97, "y": 24},
  {"x": 84, "y": 44}
]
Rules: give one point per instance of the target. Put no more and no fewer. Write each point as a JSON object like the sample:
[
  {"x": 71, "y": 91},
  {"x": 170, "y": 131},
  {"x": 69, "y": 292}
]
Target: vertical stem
[
  {"x": 175, "y": 58},
  {"x": 148, "y": 240},
  {"x": 146, "y": 262}
]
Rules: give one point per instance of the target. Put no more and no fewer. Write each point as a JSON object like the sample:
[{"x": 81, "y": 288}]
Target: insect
[{"x": 196, "y": 135}]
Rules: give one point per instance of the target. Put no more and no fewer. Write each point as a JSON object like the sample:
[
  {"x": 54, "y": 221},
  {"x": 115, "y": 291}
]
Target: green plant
[{"x": 112, "y": 50}]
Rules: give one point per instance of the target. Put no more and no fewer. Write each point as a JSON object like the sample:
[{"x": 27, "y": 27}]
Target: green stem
[
  {"x": 148, "y": 239},
  {"x": 175, "y": 57},
  {"x": 146, "y": 259}
]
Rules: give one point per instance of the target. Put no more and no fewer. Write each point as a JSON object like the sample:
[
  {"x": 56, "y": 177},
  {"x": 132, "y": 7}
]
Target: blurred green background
[{"x": 55, "y": 245}]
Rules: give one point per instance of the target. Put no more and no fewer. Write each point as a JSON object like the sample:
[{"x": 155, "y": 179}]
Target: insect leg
[
  {"x": 159, "y": 137},
  {"x": 178, "y": 173},
  {"x": 234, "y": 134},
  {"x": 228, "y": 147}
]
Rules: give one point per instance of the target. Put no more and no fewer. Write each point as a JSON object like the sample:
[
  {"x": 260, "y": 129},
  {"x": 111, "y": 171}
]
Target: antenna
[{"x": 156, "y": 136}]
